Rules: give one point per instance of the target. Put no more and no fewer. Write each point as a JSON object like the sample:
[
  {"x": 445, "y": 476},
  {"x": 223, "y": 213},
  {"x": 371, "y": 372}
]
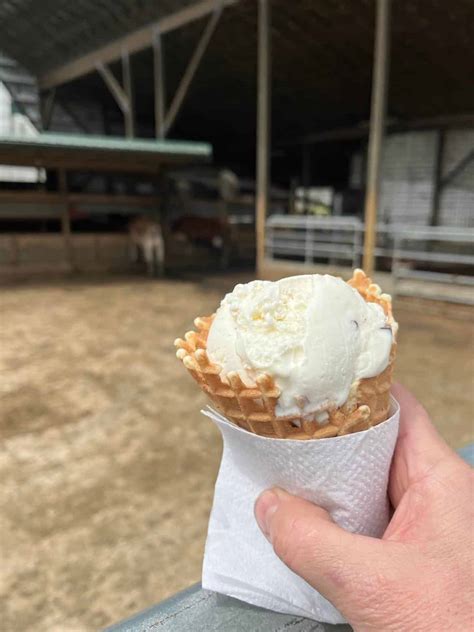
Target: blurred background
[{"x": 154, "y": 154}]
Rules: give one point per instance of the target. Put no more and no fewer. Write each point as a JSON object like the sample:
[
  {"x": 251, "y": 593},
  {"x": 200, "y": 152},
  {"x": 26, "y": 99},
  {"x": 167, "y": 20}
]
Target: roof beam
[
  {"x": 392, "y": 125},
  {"x": 133, "y": 42},
  {"x": 47, "y": 103},
  {"x": 190, "y": 71},
  {"x": 119, "y": 94},
  {"x": 123, "y": 95}
]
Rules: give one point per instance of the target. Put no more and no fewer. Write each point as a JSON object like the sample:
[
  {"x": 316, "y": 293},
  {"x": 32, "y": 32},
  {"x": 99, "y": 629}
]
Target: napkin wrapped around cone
[{"x": 345, "y": 475}]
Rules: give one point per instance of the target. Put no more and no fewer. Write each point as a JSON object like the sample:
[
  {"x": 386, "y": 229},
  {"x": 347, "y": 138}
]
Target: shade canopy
[{"x": 99, "y": 153}]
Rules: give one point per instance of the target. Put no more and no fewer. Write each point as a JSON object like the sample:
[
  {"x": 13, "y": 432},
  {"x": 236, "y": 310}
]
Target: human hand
[{"x": 419, "y": 576}]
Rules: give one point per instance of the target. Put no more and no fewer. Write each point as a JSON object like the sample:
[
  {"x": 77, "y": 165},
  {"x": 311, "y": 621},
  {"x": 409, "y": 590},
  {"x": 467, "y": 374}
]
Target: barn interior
[
  {"x": 321, "y": 72},
  {"x": 186, "y": 70}
]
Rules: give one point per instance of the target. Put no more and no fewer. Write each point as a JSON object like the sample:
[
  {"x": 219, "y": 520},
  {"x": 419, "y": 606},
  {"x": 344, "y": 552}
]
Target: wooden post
[
  {"x": 127, "y": 85},
  {"x": 377, "y": 125},
  {"x": 263, "y": 128},
  {"x": 158, "y": 85},
  {"x": 66, "y": 219}
]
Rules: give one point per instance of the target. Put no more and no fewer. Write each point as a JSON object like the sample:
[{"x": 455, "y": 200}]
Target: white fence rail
[
  {"x": 437, "y": 254},
  {"x": 314, "y": 238}
]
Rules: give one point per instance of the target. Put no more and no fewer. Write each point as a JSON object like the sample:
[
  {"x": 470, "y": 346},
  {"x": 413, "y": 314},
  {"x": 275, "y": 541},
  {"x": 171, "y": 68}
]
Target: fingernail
[{"x": 265, "y": 507}]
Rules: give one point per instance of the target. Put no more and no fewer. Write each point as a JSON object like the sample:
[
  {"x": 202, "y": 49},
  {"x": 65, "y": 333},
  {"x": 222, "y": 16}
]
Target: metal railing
[
  {"x": 313, "y": 238},
  {"x": 435, "y": 254},
  {"x": 433, "y": 245}
]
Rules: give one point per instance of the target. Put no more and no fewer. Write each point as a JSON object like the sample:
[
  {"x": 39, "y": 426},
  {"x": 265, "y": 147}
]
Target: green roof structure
[{"x": 103, "y": 153}]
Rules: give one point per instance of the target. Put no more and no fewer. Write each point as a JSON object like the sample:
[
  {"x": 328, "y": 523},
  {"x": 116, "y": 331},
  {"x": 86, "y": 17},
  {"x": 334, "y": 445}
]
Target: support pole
[
  {"x": 377, "y": 125},
  {"x": 65, "y": 219},
  {"x": 127, "y": 85},
  {"x": 158, "y": 85},
  {"x": 263, "y": 128},
  {"x": 437, "y": 178}
]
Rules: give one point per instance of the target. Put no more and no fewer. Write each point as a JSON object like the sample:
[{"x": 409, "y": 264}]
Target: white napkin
[{"x": 346, "y": 475}]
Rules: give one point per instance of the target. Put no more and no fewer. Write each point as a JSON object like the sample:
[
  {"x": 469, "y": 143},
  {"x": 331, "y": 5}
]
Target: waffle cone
[{"x": 254, "y": 409}]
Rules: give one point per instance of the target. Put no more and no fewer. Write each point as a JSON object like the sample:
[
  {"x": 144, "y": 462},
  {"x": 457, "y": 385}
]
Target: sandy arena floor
[{"x": 107, "y": 467}]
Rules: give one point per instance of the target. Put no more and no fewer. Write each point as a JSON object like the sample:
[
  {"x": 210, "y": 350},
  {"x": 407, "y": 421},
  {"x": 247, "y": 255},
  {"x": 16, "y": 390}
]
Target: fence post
[
  {"x": 357, "y": 243},
  {"x": 397, "y": 237},
  {"x": 308, "y": 242},
  {"x": 268, "y": 251},
  {"x": 66, "y": 219}
]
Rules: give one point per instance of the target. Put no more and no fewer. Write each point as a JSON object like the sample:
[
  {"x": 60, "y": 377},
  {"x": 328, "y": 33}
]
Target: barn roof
[
  {"x": 46, "y": 35},
  {"x": 321, "y": 55}
]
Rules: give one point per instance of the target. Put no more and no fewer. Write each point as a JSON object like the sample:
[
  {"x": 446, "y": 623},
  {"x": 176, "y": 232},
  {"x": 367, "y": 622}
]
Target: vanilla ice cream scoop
[{"x": 313, "y": 334}]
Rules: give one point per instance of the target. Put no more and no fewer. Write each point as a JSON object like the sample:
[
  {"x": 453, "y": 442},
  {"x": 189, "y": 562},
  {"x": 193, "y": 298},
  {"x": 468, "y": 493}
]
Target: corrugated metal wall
[
  {"x": 408, "y": 175},
  {"x": 457, "y": 198}
]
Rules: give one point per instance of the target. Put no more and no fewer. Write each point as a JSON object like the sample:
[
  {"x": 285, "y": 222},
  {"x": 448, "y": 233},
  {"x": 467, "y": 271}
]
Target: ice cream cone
[{"x": 254, "y": 409}]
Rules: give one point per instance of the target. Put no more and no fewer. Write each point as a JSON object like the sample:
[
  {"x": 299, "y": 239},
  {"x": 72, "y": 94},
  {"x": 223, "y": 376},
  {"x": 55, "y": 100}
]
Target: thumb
[{"x": 344, "y": 567}]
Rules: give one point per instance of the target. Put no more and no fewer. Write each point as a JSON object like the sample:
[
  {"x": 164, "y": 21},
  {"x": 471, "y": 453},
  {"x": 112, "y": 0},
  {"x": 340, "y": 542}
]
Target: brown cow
[
  {"x": 146, "y": 237},
  {"x": 211, "y": 232}
]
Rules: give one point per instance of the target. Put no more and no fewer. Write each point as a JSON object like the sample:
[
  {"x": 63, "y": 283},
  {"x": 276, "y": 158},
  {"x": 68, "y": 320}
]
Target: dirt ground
[{"x": 107, "y": 467}]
